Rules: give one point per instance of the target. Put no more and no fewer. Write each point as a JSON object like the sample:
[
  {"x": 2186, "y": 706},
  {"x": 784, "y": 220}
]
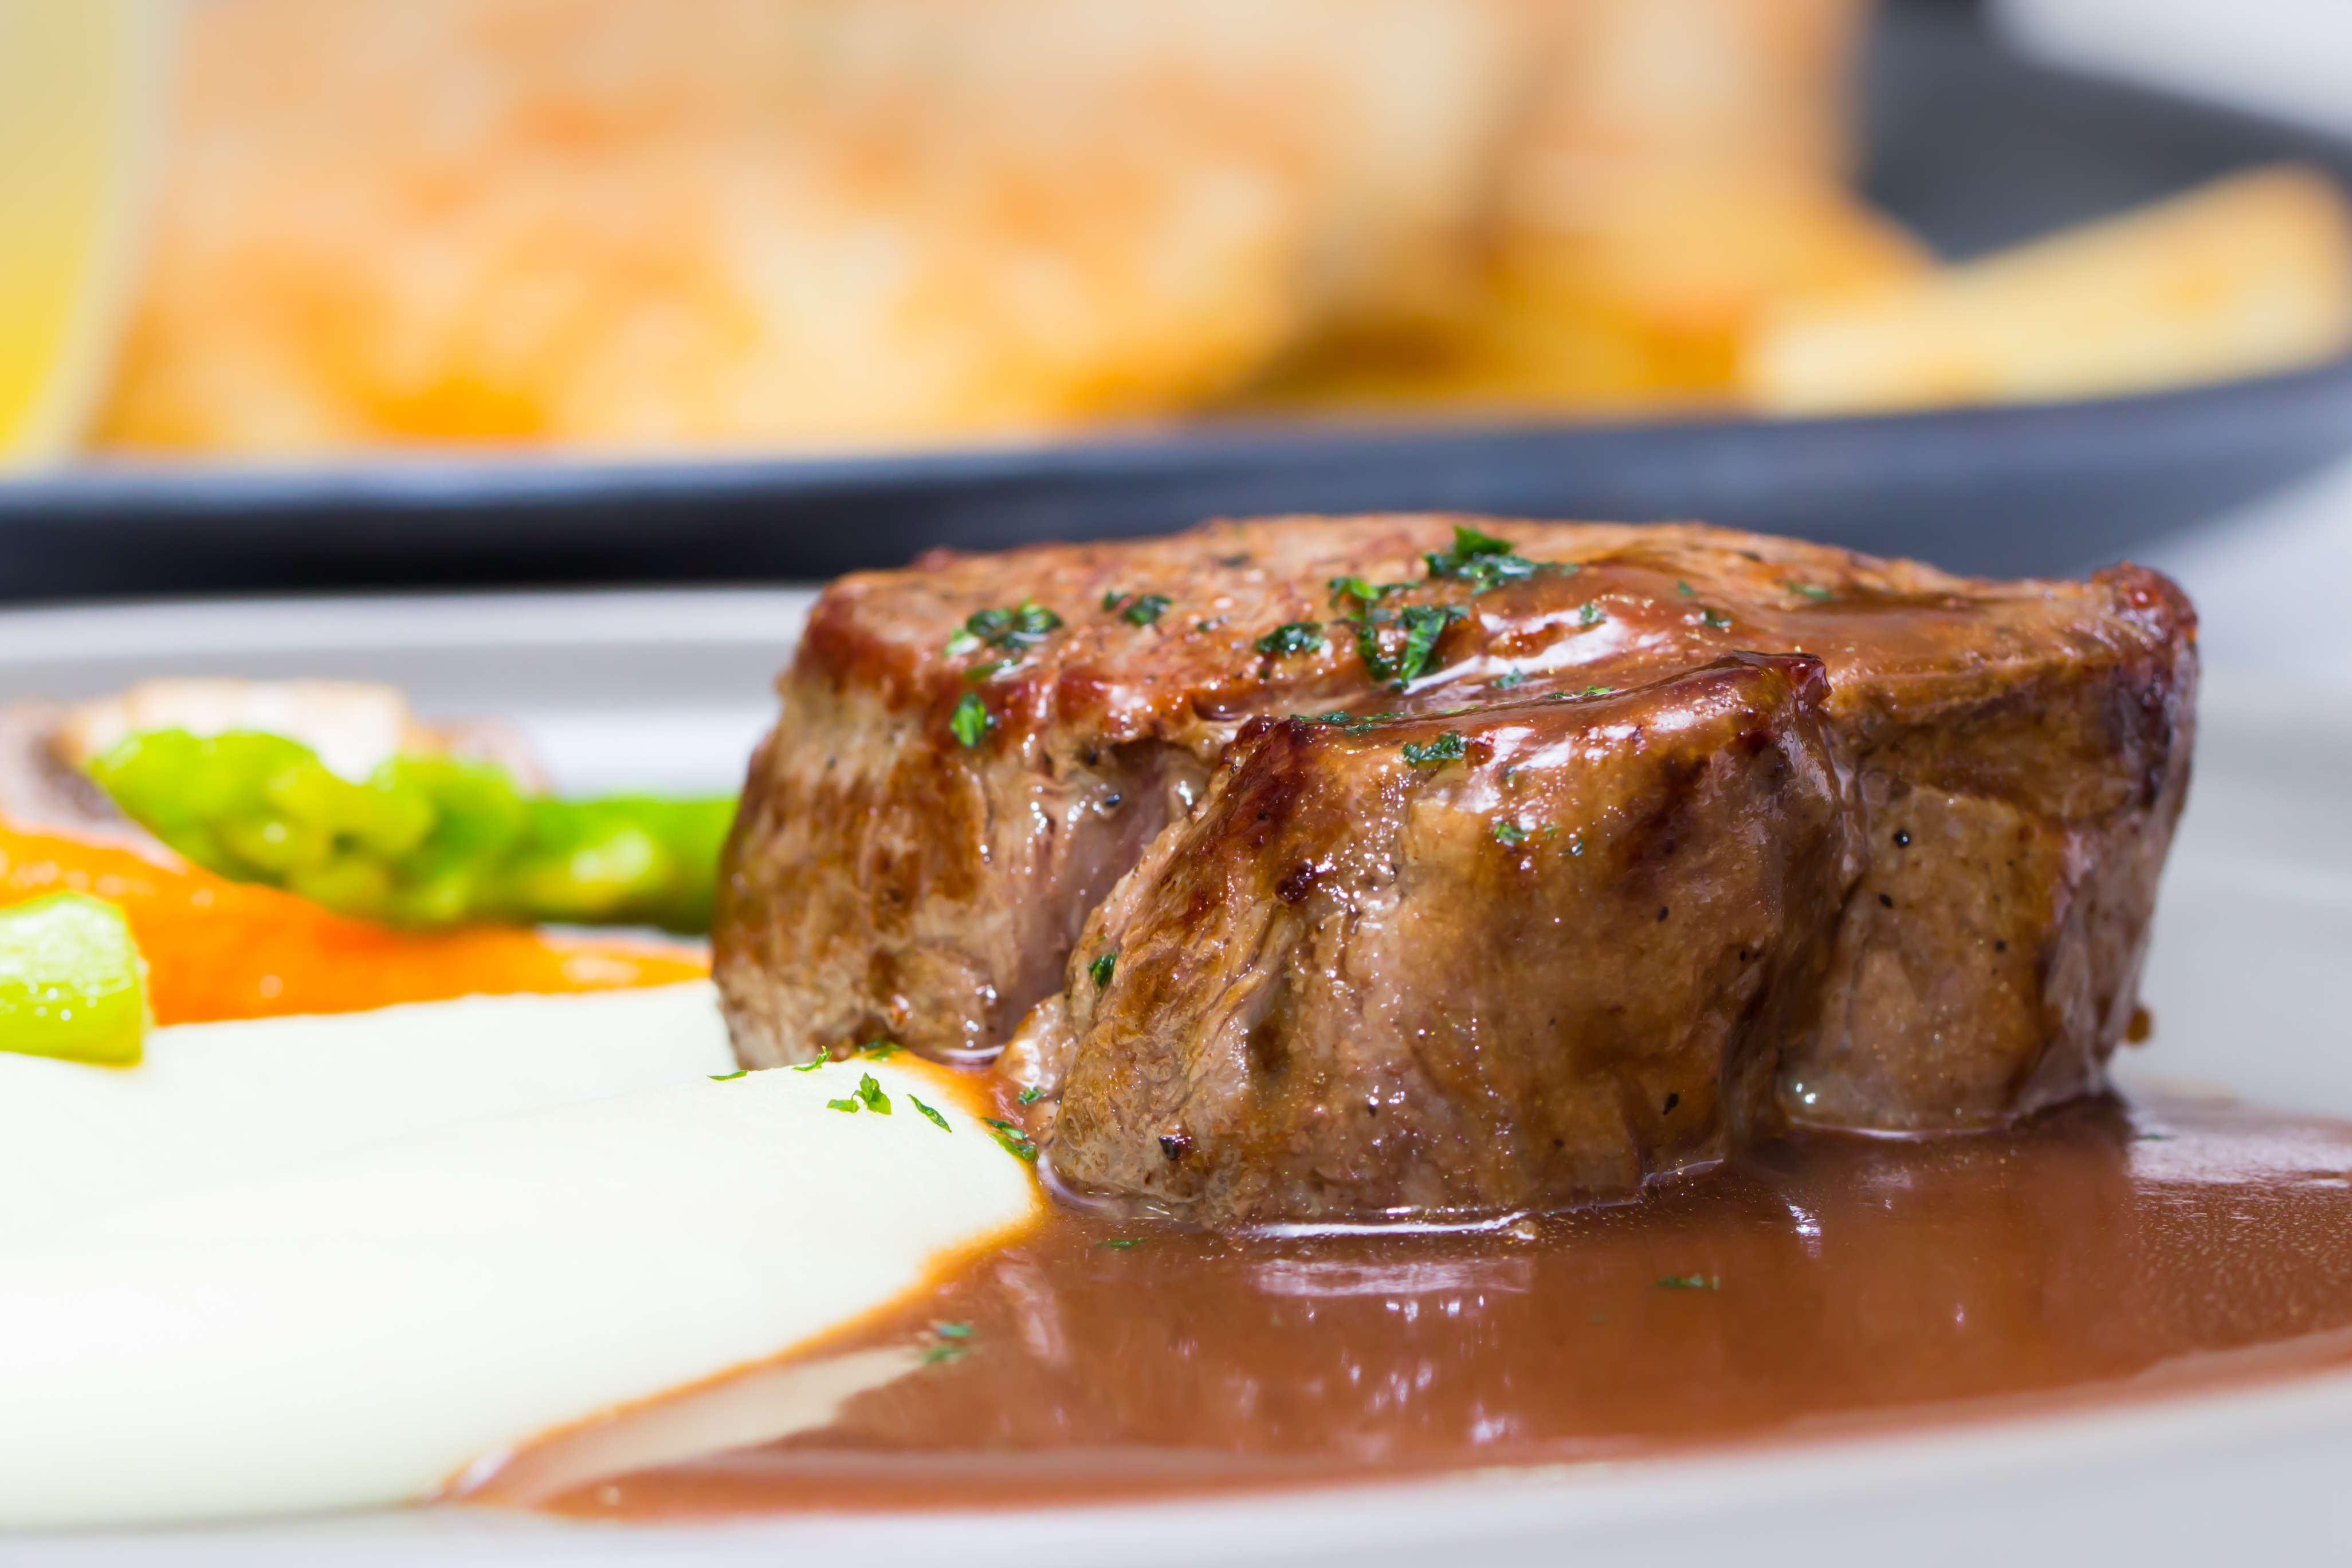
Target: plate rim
[{"x": 1503, "y": 1505}]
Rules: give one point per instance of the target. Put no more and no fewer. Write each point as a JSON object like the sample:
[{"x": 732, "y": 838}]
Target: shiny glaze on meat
[
  {"x": 2013, "y": 757},
  {"x": 1350, "y": 985}
]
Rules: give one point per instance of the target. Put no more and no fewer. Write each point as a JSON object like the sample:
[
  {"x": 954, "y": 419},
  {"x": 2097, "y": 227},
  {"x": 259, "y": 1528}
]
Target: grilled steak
[
  {"x": 1906, "y": 848},
  {"x": 1368, "y": 974}
]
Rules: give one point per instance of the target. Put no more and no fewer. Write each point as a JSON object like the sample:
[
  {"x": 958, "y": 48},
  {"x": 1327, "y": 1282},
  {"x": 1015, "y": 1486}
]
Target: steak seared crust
[
  {"x": 1942, "y": 859},
  {"x": 1354, "y": 984}
]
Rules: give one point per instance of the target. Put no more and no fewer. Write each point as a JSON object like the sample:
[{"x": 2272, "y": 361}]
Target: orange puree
[{"x": 221, "y": 949}]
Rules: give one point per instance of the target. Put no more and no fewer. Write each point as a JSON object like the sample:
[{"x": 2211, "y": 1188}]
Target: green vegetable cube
[{"x": 72, "y": 984}]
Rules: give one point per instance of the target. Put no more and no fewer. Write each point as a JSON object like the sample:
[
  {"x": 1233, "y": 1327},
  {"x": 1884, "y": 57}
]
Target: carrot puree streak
[{"x": 218, "y": 950}]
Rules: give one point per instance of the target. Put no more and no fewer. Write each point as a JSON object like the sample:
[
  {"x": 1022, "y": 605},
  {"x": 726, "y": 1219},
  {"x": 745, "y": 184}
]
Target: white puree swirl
[{"x": 305, "y": 1302}]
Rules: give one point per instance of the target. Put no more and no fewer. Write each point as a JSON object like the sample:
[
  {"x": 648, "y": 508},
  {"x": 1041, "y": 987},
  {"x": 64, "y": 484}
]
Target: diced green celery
[{"x": 72, "y": 984}]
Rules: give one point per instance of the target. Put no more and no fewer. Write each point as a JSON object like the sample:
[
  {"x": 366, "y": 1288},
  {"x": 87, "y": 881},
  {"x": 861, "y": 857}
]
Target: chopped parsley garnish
[
  {"x": 848, "y": 1105},
  {"x": 1691, "y": 1282},
  {"x": 932, "y": 1116},
  {"x": 1598, "y": 692},
  {"x": 1292, "y": 637},
  {"x": 1101, "y": 970},
  {"x": 1685, "y": 590},
  {"x": 1813, "y": 592},
  {"x": 1446, "y": 747},
  {"x": 1715, "y": 619},
  {"x": 1031, "y": 1096},
  {"x": 1017, "y": 1144},
  {"x": 1422, "y": 625},
  {"x": 1121, "y": 1243},
  {"x": 1355, "y": 724},
  {"x": 1022, "y": 627},
  {"x": 1510, "y": 834},
  {"x": 1481, "y": 561},
  {"x": 729, "y": 1077},
  {"x": 1509, "y": 680},
  {"x": 880, "y": 1050},
  {"x": 1140, "y": 609},
  {"x": 1356, "y": 588},
  {"x": 870, "y": 1095},
  {"x": 971, "y": 720},
  {"x": 1591, "y": 614},
  {"x": 952, "y": 1331},
  {"x": 822, "y": 1061},
  {"x": 949, "y": 1342}
]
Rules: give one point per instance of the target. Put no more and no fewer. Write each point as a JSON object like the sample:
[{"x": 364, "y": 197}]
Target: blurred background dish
[
  {"x": 531, "y": 291},
  {"x": 808, "y": 225},
  {"x": 811, "y": 225}
]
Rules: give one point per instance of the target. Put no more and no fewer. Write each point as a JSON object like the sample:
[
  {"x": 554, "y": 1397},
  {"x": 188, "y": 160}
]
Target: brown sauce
[{"x": 1825, "y": 1287}]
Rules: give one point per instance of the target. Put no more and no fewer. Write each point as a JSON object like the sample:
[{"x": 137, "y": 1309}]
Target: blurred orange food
[
  {"x": 218, "y": 950},
  {"x": 819, "y": 224}
]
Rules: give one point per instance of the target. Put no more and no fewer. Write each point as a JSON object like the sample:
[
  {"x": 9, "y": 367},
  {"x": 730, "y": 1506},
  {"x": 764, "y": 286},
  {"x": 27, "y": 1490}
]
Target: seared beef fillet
[
  {"x": 1370, "y": 974},
  {"x": 2009, "y": 760}
]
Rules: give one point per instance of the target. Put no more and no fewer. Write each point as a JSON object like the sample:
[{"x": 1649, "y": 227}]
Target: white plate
[{"x": 671, "y": 689}]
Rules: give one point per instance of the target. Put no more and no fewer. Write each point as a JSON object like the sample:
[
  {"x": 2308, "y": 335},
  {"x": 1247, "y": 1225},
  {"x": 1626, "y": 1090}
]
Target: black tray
[{"x": 1970, "y": 146}]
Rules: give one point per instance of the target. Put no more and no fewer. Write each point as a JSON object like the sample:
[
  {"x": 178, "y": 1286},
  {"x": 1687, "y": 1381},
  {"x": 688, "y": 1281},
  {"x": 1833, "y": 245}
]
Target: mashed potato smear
[
  {"x": 217, "y": 1100},
  {"x": 330, "y": 1262}
]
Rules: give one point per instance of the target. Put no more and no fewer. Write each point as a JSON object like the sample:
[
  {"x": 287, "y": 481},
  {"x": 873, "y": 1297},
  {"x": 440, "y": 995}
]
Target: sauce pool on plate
[{"x": 1824, "y": 1286}]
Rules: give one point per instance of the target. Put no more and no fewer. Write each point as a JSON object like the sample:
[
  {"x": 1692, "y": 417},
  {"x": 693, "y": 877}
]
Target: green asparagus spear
[{"x": 426, "y": 840}]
